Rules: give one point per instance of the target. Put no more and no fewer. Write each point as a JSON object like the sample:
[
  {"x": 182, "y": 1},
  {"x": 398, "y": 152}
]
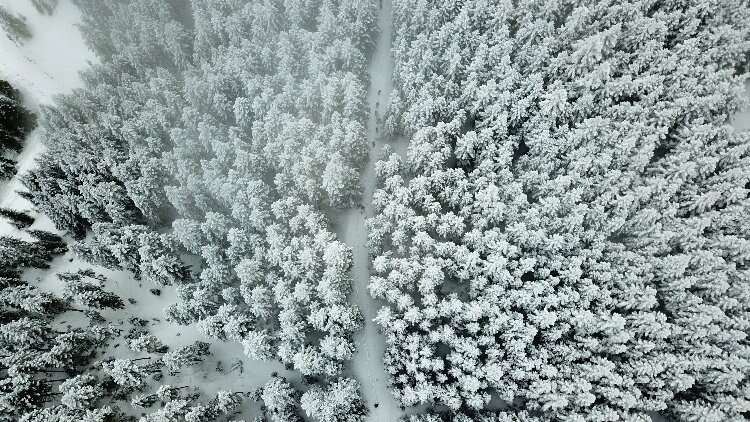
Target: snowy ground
[{"x": 49, "y": 63}]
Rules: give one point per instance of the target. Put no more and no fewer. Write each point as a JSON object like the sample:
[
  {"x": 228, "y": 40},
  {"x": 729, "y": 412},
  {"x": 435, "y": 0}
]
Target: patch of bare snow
[{"x": 48, "y": 63}]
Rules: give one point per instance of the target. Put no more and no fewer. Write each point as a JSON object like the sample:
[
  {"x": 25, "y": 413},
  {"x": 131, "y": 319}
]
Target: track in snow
[{"x": 367, "y": 365}]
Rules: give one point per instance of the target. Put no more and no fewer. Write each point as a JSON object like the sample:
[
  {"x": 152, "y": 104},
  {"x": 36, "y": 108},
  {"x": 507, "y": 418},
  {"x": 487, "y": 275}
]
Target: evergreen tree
[
  {"x": 147, "y": 343},
  {"x": 7, "y": 168},
  {"x": 126, "y": 373},
  {"x": 19, "y": 219},
  {"x": 159, "y": 261},
  {"x": 16, "y": 122},
  {"x": 45, "y": 7},
  {"x": 49, "y": 241},
  {"x": 181, "y": 357},
  {"x": 338, "y": 402},
  {"x": 17, "y": 253},
  {"x": 86, "y": 287},
  {"x": 81, "y": 392},
  {"x": 280, "y": 400}
]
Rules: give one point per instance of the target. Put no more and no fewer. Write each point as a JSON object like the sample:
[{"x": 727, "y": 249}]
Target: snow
[
  {"x": 367, "y": 366},
  {"x": 742, "y": 120},
  {"x": 49, "y": 63},
  {"x": 46, "y": 65}
]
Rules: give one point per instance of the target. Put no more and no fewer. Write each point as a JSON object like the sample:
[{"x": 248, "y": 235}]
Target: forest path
[{"x": 367, "y": 366}]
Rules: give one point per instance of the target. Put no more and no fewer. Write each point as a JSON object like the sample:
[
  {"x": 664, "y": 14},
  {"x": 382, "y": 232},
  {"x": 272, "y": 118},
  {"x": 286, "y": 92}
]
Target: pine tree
[
  {"x": 181, "y": 357},
  {"x": 147, "y": 343},
  {"x": 159, "y": 262},
  {"x": 45, "y": 7},
  {"x": 143, "y": 401},
  {"x": 280, "y": 400},
  {"x": 126, "y": 373},
  {"x": 167, "y": 392},
  {"x": 25, "y": 332},
  {"x": 7, "y": 168},
  {"x": 81, "y": 392},
  {"x": 20, "y": 394},
  {"x": 338, "y": 402},
  {"x": 16, "y": 122},
  {"x": 19, "y": 219},
  {"x": 32, "y": 300},
  {"x": 49, "y": 241},
  {"x": 17, "y": 253},
  {"x": 87, "y": 288}
]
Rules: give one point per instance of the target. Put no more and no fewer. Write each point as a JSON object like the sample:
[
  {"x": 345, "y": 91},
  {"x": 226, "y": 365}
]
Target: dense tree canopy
[
  {"x": 565, "y": 234},
  {"x": 566, "y": 230},
  {"x": 225, "y": 135},
  {"x": 16, "y": 122}
]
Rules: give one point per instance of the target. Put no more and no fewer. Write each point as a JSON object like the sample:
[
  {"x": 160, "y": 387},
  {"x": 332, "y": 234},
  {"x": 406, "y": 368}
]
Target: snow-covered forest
[{"x": 374, "y": 210}]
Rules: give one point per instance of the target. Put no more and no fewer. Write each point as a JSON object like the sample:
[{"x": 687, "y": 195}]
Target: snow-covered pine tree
[
  {"x": 16, "y": 121},
  {"x": 51, "y": 242},
  {"x": 81, "y": 392},
  {"x": 184, "y": 356},
  {"x": 337, "y": 402},
  {"x": 563, "y": 194},
  {"x": 281, "y": 400},
  {"x": 147, "y": 343},
  {"x": 45, "y": 7},
  {"x": 19, "y": 219},
  {"x": 87, "y": 288}
]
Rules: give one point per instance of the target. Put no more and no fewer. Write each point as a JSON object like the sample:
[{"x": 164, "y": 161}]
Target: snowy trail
[
  {"x": 742, "y": 120},
  {"x": 367, "y": 365}
]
